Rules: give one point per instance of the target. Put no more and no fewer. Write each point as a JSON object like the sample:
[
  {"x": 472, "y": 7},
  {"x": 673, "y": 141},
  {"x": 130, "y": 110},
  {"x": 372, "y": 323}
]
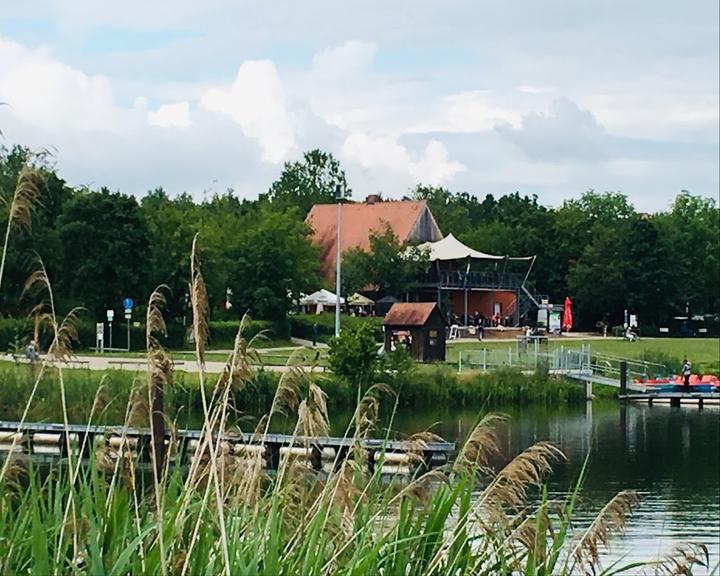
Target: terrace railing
[{"x": 575, "y": 362}]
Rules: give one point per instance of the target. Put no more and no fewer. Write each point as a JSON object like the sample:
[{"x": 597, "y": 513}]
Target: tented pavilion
[
  {"x": 466, "y": 281},
  {"x": 319, "y": 301}
]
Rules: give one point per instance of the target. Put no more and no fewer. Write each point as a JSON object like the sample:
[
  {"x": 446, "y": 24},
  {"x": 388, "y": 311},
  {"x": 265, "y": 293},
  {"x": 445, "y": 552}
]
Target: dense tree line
[
  {"x": 599, "y": 250},
  {"x": 100, "y": 246}
]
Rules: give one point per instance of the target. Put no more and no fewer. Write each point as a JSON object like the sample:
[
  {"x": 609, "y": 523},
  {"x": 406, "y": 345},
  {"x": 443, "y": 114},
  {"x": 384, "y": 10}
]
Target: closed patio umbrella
[{"x": 567, "y": 319}]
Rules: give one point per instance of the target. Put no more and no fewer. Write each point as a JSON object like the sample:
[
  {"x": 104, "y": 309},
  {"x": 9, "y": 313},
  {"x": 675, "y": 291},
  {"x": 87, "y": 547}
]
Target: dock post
[
  {"x": 623, "y": 378},
  {"x": 588, "y": 390},
  {"x": 675, "y": 401}
]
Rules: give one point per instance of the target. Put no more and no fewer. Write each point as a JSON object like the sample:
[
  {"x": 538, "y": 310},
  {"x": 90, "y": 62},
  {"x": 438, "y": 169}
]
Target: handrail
[{"x": 628, "y": 360}]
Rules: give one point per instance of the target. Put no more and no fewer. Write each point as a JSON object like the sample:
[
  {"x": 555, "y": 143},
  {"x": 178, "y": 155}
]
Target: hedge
[
  {"x": 301, "y": 325},
  {"x": 15, "y": 333}
]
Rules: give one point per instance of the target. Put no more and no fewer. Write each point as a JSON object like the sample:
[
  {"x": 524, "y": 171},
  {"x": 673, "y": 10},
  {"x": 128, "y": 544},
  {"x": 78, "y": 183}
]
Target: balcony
[{"x": 471, "y": 280}]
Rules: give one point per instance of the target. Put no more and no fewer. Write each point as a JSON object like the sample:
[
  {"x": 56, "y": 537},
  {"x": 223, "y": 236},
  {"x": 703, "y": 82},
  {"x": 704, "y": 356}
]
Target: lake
[{"x": 670, "y": 456}]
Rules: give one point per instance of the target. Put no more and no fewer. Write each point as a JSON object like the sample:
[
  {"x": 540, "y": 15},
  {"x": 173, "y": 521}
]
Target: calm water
[{"x": 670, "y": 456}]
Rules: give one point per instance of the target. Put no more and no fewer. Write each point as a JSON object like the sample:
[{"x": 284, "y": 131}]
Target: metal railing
[{"x": 572, "y": 361}]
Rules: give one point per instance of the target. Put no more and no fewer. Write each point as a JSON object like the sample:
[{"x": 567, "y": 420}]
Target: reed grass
[{"x": 225, "y": 514}]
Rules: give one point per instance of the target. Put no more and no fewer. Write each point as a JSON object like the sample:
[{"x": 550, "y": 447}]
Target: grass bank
[
  {"x": 704, "y": 353},
  {"x": 424, "y": 386}
]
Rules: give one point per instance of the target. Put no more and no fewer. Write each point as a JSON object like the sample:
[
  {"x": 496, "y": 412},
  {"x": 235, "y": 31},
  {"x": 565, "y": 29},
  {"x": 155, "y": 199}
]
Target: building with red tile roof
[{"x": 410, "y": 221}]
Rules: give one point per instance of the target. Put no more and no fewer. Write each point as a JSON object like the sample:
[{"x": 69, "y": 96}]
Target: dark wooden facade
[{"x": 419, "y": 326}]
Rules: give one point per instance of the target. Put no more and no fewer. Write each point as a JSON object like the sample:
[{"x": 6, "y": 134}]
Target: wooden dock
[
  {"x": 47, "y": 442},
  {"x": 699, "y": 399}
]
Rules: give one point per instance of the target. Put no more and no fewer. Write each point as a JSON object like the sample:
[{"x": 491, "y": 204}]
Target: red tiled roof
[
  {"x": 358, "y": 222},
  {"x": 409, "y": 313}
]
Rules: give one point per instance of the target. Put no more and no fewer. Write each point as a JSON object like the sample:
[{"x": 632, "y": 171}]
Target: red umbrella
[{"x": 567, "y": 315}]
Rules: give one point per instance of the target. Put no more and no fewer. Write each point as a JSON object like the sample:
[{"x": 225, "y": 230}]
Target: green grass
[
  {"x": 423, "y": 386},
  {"x": 704, "y": 353}
]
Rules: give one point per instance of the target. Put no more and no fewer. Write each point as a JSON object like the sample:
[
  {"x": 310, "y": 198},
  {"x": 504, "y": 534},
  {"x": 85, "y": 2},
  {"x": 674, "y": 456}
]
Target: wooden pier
[
  {"x": 699, "y": 399},
  {"x": 49, "y": 442}
]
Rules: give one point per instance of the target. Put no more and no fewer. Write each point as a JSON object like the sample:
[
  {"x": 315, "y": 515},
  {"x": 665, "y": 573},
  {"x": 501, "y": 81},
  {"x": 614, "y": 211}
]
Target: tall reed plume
[{"x": 26, "y": 198}]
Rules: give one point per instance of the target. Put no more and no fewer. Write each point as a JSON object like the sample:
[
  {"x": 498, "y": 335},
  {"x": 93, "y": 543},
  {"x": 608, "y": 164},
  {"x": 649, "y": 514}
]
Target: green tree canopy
[
  {"x": 273, "y": 261},
  {"x": 107, "y": 250},
  {"x": 390, "y": 267},
  {"x": 312, "y": 180}
]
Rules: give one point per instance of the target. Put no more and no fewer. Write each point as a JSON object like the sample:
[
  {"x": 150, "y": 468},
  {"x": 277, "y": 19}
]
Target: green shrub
[
  {"x": 353, "y": 356},
  {"x": 222, "y": 334},
  {"x": 301, "y": 325},
  {"x": 14, "y": 331}
]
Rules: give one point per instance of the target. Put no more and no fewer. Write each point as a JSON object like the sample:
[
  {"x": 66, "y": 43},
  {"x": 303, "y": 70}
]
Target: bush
[
  {"x": 301, "y": 325},
  {"x": 222, "y": 334},
  {"x": 14, "y": 332},
  {"x": 353, "y": 356}
]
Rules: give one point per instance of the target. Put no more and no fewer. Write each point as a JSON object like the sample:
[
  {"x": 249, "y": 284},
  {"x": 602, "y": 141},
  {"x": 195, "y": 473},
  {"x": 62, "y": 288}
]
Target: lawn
[{"x": 702, "y": 352}]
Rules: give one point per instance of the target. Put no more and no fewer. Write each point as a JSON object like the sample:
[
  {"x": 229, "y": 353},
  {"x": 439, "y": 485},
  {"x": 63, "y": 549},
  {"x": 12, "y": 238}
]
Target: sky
[{"x": 488, "y": 97}]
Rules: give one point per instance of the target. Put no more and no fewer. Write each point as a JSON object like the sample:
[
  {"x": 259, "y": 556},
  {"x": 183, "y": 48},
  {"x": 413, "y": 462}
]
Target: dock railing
[{"x": 575, "y": 362}]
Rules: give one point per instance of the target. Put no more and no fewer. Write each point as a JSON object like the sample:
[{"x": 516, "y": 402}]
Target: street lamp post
[{"x": 338, "y": 255}]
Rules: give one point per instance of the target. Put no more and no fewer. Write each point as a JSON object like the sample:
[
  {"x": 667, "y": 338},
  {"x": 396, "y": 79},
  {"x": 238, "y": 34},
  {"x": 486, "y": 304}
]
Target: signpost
[
  {"x": 128, "y": 306},
  {"x": 110, "y": 315},
  {"x": 100, "y": 336}
]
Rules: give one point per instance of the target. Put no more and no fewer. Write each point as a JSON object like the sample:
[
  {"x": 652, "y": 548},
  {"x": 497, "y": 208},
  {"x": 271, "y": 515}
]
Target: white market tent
[
  {"x": 450, "y": 248},
  {"x": 360, "y": 300},
  {"x": 320, "y": 298}
]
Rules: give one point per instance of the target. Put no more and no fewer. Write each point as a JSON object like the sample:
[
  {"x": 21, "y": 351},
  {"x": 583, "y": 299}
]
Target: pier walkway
[{"x": 50, "y": 441}]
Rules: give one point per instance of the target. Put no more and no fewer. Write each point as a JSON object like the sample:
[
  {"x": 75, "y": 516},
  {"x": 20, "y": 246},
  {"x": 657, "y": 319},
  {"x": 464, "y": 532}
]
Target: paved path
[{"x": 114, "y": 362}]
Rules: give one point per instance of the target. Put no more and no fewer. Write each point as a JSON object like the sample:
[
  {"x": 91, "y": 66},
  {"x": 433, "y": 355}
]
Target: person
[
  {"x": 31, "y": 352},
  {"x": 630, "y": 335},
  {"x": 480, "y": 326},
  {"x": 686, "y": 371},
  {"x": 314, "y": 334}
]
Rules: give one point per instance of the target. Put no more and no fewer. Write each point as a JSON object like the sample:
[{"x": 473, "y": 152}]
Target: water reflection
[{"x": 671, "y": 456}]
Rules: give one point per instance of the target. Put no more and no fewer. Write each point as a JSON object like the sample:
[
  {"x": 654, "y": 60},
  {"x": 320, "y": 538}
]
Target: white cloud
[
  {"x": 440, "y": 93},
  {"x": 256, "y": 101},
  {"x": 565, "y": 133},
  {"x": 44, "y": 91},
  {"x": 432, "y": 166},
  {"x": 171, "y": 115}
]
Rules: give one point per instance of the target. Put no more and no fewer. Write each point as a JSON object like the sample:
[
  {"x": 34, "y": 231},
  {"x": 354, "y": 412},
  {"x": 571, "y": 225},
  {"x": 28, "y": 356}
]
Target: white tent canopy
[
  {"x": 360, "y": 300},
  {"x": 450, "y": 248},
  {"x": 321, "y": 297}
]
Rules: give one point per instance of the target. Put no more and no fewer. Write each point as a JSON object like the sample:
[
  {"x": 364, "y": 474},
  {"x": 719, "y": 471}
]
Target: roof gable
[
  {"x": 409, "y": 313},
  {"x": 360, "y": 220}
]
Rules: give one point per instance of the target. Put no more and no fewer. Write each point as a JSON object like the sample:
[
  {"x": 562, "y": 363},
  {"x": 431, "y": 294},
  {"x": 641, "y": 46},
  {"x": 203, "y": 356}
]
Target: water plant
[{"x": 226, "y": 514}]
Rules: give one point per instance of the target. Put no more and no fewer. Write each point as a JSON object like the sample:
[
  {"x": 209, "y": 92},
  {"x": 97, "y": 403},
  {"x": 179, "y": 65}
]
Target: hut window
[{"x": 433, "y": 337}]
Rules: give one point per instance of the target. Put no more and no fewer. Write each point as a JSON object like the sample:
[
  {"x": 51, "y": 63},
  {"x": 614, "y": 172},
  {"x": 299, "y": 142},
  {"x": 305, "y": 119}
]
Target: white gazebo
[
  {"x": 450, "y": 248},
  {"x": 318, "y": 301}
]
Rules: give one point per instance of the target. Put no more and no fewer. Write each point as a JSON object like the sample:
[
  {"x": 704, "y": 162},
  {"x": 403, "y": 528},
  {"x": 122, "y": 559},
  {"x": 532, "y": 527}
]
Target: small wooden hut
[{"x": 419, "y": 327}]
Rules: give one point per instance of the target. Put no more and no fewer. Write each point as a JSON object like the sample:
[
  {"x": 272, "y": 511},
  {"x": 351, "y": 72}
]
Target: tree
[
  {"x": 451, "y": 211},
  {"x": 390, "y": 266},
  {"x": 597, "y": 281},
  {"x": 353, "y": 356},
  {"x": 44, "y": 239},
  {"x": 647, "y": 269},
  {"x": 273, "y": 261},
  {"x": 690, "y": 232},
  {"x": 576, "y": 224},
  {"x": 171, "y": 224},
  {"x": 313, "y": 180},
  {"x": 106, "y": 250}
]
